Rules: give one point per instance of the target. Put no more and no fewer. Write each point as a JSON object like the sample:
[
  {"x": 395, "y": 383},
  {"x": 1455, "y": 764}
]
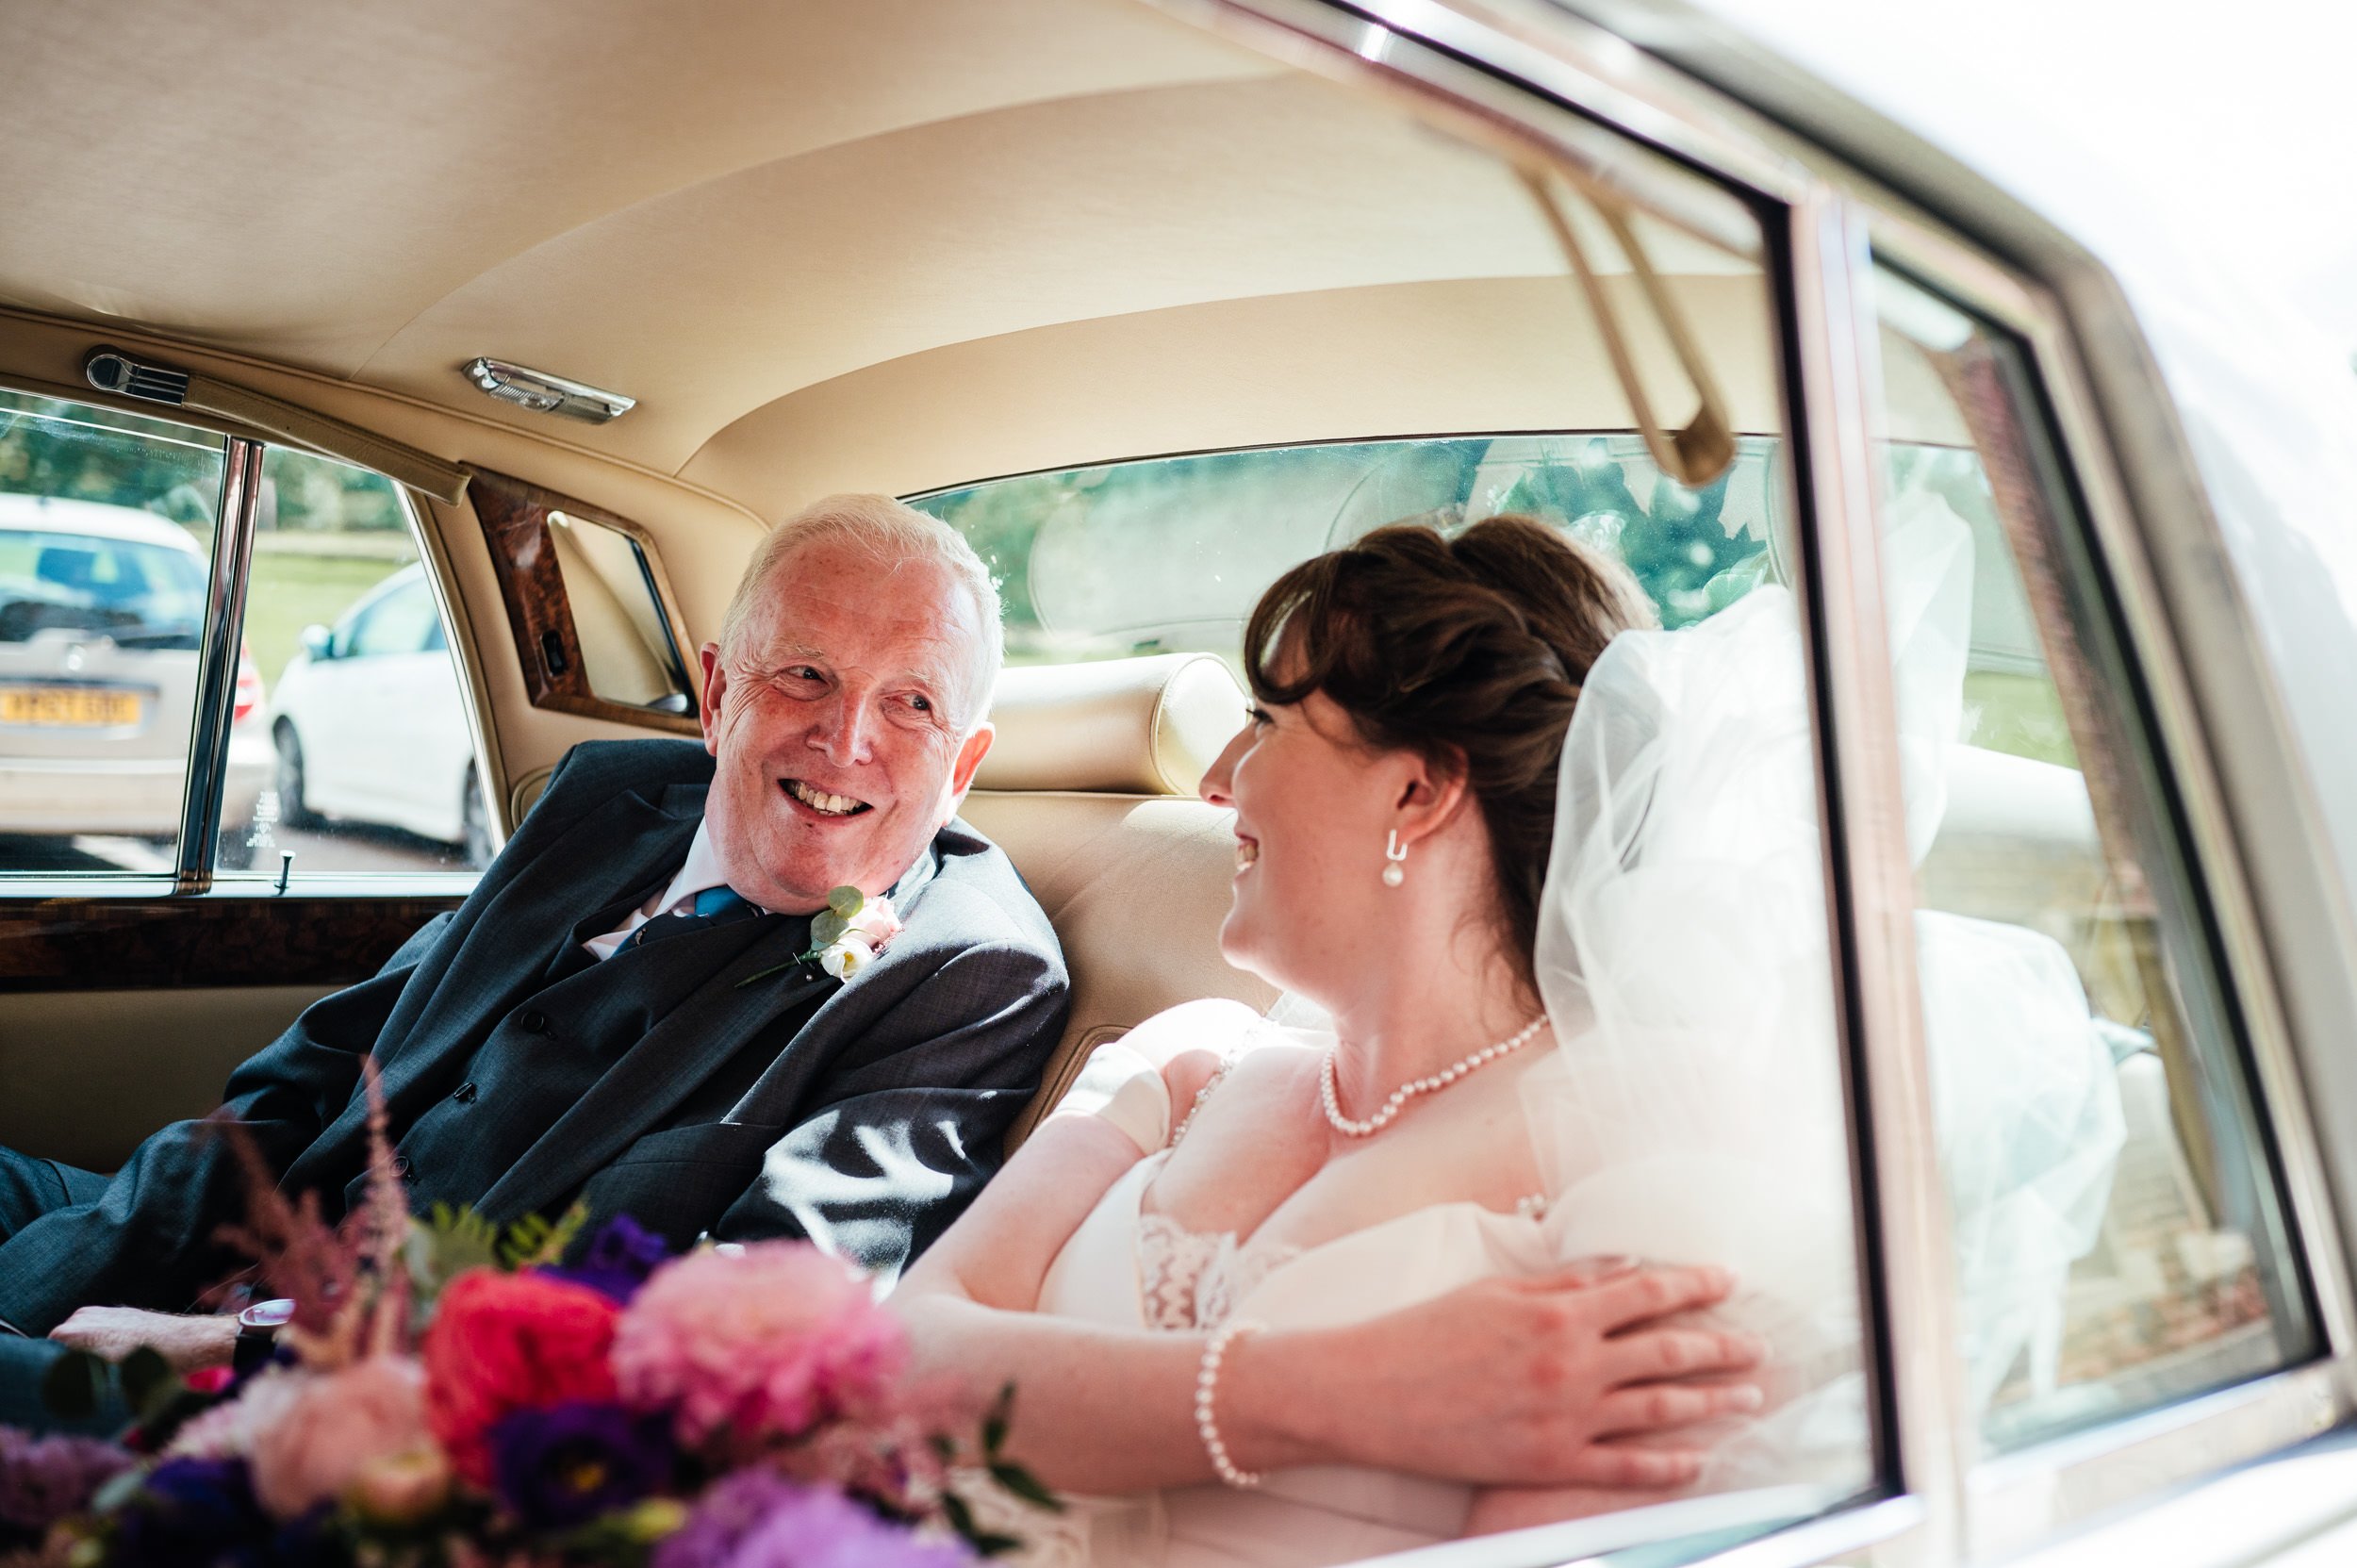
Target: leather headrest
[{"x": 1144, "y": 726}]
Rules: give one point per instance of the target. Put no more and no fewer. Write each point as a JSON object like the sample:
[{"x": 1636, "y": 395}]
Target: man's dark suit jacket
[{"x": 865, "y": 1115}]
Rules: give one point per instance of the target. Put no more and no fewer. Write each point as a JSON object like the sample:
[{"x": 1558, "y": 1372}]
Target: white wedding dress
[
  {"x": 1128, "y": 1269},
  {"x": 1691, "y": 1111}
]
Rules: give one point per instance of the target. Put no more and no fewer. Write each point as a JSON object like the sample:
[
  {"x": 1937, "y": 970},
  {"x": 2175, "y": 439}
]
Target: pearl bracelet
[{"x": 1205, "y": 1386}]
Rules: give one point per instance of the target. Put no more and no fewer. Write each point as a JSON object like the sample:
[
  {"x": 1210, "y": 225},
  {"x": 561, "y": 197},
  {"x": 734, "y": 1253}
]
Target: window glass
[
  {"x": 105, "y": 537},
  {"x": 362, "y": 758},
  {"x": 626, "y": 648},
  {"x": 2120, "y": 1239},
  {"x": 1168, "y": 554}
]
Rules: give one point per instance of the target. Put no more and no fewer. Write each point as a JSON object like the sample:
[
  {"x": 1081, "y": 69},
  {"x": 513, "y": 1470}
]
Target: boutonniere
[{"x": 844, "y": 938}]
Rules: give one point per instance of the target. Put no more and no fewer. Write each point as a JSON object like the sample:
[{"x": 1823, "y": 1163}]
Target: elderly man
[{"x": 621, "y": 1015}]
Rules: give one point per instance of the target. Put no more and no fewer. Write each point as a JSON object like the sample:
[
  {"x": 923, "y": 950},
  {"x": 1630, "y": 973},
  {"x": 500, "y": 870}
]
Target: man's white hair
[{"x": 890, "y": 531}]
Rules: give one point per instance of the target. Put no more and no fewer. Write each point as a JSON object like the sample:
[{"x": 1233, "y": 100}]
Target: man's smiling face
[{"x": 839, "y": 723}]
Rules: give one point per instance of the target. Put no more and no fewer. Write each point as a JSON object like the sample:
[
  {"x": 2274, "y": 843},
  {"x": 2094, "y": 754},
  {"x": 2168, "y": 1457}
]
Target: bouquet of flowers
[{"x": 450, "y": 1396}]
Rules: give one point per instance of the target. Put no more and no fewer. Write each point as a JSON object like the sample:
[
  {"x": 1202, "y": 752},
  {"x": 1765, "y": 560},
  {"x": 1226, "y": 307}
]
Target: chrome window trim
[
  {"x": 37, "y": 887},
  {"x": 426, "y": 521},
  {"x": 1868, "y": 871},
  {"x": 216, "y": 668},
  {"x": 2021, "y": 1500}
]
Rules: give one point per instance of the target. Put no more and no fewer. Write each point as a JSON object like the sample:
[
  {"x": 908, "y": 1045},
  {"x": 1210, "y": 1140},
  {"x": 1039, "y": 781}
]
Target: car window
[
  {"x": 402, "y": 622},
  {"x": 2119, "y": 1241},
  {"x": 105, "y": 532},
  {"x": 1168, "y": 554},
  {"x": 364, "y": 763}
]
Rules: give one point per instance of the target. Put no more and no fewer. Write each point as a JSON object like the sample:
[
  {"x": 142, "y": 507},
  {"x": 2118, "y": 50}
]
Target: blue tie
[{"x": 715, "y": 906}]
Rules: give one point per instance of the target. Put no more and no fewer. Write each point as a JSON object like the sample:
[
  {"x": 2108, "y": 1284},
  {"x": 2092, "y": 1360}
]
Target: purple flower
[
  {"x": 192, "y": 1514},
  {"x": 568, "y": 1464},
  {"x": 620, "y": 1257},
  {"x": 758, "y": 1519},
  {"x": 43, "y": 1479}
]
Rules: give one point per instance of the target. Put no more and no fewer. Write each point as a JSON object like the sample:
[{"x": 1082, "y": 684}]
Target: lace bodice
[
  {"x": 1194, "y": 1279},
  {"x": 1191, "y": 1279}
]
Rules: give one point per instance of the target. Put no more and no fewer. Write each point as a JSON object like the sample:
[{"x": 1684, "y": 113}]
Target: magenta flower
[{"x": 767, "y": 1343}]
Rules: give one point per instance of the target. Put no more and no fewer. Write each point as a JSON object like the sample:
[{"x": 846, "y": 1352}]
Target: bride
[{"x": 1299, "y": 1298}]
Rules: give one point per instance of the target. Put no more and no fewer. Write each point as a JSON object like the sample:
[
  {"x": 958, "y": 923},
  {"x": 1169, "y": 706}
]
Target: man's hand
[
  {"x": 1563, "y": 1380},
  {"x": 189, "y": 1343}
]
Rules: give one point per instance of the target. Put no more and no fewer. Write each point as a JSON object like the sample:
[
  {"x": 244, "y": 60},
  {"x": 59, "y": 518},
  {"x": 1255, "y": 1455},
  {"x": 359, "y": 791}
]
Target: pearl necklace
[{"x": 1405, "y": 1092}]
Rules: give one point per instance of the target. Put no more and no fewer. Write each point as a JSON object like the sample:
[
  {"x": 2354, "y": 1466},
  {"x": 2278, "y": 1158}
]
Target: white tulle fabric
[{"x": 1693, "y": 1110}]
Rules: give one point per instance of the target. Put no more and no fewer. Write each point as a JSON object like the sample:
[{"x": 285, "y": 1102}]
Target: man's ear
[
  {"x": 970, "y": 755},
  {"x": 716, "y": 686}
]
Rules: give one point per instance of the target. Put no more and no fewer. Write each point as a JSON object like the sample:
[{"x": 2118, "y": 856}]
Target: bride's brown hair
[{"x": 1468, "y": 650}]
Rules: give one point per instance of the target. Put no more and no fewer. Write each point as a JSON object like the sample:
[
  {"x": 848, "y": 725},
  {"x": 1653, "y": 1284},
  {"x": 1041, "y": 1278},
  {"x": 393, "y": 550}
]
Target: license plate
[{"x": 69, "y": 707}]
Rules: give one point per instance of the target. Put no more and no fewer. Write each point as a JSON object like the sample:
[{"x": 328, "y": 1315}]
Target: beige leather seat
[{"x": 1090, "y": 789}]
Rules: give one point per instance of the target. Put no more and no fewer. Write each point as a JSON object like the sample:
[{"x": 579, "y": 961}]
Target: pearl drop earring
[{"x": 1394, "y": 852}]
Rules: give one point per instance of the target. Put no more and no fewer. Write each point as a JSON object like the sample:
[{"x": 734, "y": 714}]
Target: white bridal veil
[{"x": 1693, "y": 1110}]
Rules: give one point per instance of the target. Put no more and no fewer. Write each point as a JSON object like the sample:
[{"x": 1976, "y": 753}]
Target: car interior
[{"x": 935, "y": 251}]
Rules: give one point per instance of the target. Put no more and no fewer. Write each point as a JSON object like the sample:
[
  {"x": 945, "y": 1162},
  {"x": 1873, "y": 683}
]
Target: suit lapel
[
  {"x": 614, "y": 858},
  {"x": 679, "y": 1053},
  {"x": 635, "y": 1094}
]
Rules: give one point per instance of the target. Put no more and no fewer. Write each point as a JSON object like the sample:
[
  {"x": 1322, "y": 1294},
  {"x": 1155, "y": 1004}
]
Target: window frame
[
  {"x": 1502, "y": 65},
  {"x": 143, "y": 900}
]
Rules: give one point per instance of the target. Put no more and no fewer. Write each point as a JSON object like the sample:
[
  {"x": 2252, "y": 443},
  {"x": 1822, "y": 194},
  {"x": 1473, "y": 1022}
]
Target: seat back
[{"x": 1089, "y": 788}]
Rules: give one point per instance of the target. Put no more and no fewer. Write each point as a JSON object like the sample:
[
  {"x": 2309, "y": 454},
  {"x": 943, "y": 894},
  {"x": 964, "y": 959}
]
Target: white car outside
[{"x": 369, "y": 723}]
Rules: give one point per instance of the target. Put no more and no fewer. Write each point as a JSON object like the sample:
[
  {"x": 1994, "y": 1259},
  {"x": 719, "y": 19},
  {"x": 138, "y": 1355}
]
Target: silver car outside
[{"x": 101, "y": 613}]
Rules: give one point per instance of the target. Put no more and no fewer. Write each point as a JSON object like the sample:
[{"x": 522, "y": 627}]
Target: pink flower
[
  {"x": 335, "y": 1427},
  {"x": 229, "y": 1431},
  {"x": 766, "y": 1342},
  {"x": 876, "y": 921}
]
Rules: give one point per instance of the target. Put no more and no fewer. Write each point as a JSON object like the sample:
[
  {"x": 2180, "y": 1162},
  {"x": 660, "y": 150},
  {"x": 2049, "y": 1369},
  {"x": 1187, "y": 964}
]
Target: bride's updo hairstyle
[{"x": 1468, "y": 651}]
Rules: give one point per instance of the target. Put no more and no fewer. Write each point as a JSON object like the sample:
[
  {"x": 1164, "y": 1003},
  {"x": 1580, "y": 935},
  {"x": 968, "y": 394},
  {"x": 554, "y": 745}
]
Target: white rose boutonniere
[{"x": 844, "y": 938}]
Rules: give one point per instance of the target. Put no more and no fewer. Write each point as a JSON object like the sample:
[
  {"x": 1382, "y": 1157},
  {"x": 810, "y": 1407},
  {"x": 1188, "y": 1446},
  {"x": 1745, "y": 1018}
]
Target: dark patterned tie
[{"x": 715, "y": 906}]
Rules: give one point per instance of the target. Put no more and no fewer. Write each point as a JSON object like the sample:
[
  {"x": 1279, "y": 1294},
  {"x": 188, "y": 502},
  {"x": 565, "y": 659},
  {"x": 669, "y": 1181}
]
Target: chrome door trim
[
  {"x": 1907, "y": 1235},
  {"x": 2020, "y": 1500},
  {"x": 216, "y": 668}
]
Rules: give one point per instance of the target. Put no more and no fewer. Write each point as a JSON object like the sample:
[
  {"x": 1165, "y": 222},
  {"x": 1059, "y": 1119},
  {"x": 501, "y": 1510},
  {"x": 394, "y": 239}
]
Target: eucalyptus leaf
[
  {"x": 995, "y": 1423},
  {"x": 846, "y": 901},
  {"x": 148, "y": 1382},
  {"x": 1025, "y": 1485},
  {"x": 69, "y": 1388}
]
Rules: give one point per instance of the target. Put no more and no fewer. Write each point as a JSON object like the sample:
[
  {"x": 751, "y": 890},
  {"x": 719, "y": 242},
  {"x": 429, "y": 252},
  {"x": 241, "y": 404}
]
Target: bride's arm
[{"x": 1522, "y": 1381}]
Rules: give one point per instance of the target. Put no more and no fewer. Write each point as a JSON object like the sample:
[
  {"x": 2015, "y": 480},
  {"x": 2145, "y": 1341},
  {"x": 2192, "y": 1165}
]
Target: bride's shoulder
[
  {"x": 1190, "y": 1042},
  {"x": 1214, "y": 1027}
]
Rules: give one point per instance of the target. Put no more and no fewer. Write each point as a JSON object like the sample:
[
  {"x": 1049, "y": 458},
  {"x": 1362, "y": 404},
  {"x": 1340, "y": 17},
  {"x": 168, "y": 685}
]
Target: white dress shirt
[{"x": 702, "y": 869}]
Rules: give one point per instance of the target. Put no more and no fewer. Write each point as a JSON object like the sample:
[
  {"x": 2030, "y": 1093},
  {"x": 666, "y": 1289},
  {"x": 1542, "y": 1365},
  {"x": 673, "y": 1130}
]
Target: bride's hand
[{"x": 1523, "y": 1382}]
